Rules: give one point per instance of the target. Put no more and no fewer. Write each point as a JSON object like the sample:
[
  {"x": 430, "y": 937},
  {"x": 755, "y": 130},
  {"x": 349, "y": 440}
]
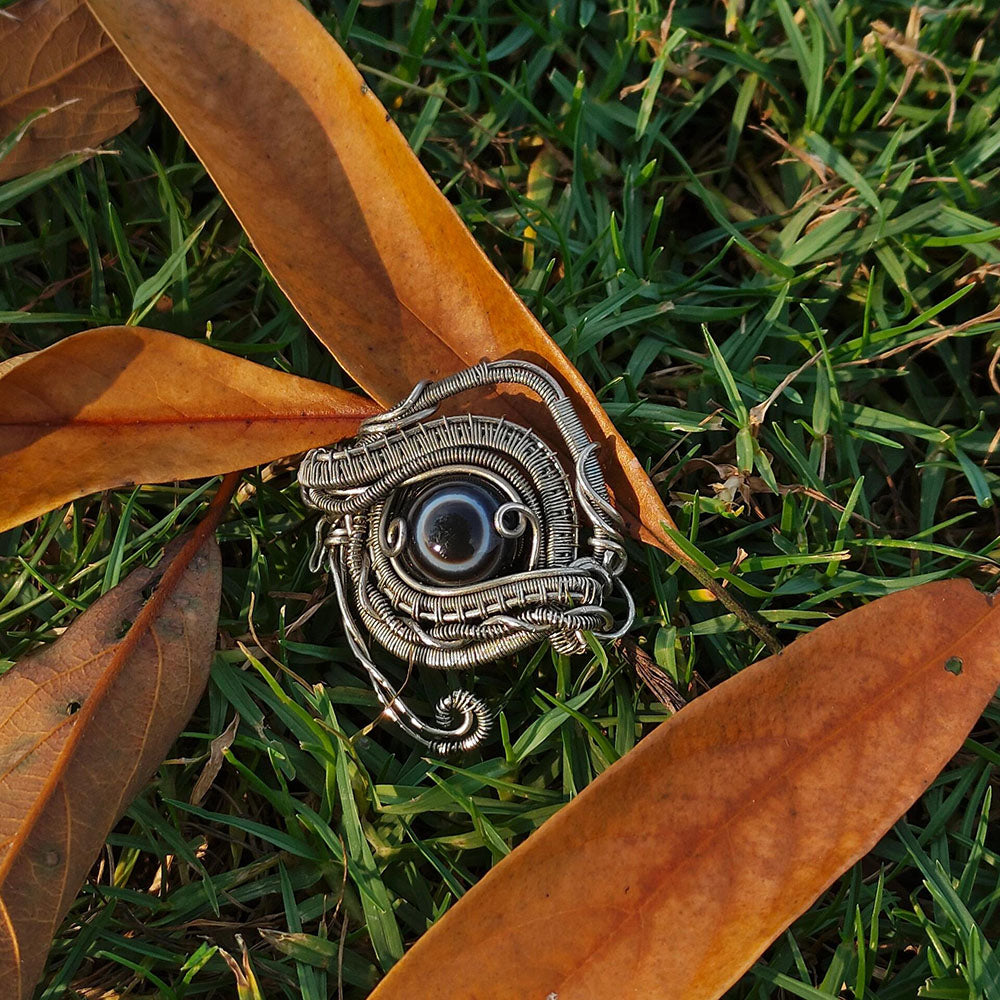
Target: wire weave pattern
[{"x": 568, "y": 534}]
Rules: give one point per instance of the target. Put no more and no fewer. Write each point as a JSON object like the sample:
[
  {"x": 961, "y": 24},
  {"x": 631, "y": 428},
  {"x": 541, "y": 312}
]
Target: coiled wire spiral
[{"x": 571, "y": 552}]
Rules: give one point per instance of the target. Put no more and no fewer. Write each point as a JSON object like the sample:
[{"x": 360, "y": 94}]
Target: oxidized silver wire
[{"x": 572, "y": 554}]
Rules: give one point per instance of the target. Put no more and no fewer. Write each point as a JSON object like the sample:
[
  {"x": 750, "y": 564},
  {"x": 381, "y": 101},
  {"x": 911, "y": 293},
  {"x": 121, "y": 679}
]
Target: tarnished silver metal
[{"x": 541, "y": 547}]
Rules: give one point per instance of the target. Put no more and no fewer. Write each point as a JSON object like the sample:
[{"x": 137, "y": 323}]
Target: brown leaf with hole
[
  {"x": 125, "y": 405},
  {"x": 83, "y": 724},
  {"x": 353, "y": 229},
  {"x": 671, "y": 873},
  {"x": 55, "y": 58}
]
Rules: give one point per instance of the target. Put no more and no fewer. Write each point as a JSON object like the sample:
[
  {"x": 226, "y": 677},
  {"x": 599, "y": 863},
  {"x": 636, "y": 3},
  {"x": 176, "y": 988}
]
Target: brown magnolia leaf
[
  {"x": 55, "y": 58},
  {"x": 353, "y": 229},
  {"x": 11, "y": 363},
  {"x": 124, "y": 405},
  {"x": 671, "y": 873},
  {"x": 83, "y": 724}
]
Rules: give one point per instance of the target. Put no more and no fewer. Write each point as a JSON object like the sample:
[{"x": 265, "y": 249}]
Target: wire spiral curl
[{"x": 570, "y": 554}]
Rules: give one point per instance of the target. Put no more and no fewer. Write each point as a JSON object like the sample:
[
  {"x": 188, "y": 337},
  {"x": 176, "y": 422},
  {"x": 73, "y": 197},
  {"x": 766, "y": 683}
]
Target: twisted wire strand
[
  {"x": 348, "y": 479},
  {"x": 569, "y": 527},
  {"x": 463, "y": 720}
]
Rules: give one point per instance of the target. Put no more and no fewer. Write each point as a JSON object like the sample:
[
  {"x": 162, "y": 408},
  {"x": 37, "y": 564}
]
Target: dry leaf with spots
[
  {"x": 671, "y": 872},
  {"x": 83, "y": 724},
  {"x": 64, "y": 86}
]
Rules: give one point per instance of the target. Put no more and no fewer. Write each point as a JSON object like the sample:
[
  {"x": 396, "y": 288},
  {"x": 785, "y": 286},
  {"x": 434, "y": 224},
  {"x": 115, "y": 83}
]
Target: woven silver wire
[{"x": 575, "y": 554}]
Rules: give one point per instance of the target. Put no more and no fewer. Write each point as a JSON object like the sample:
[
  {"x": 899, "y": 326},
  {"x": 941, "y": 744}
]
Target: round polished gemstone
[{"x": 452, "y": 535}]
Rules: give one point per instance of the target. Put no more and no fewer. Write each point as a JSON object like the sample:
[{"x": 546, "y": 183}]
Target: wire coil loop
[{"x": 454, "y": 541}]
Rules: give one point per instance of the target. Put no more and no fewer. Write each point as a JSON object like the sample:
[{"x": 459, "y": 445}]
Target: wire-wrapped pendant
[{"x": 456, "y": 540}]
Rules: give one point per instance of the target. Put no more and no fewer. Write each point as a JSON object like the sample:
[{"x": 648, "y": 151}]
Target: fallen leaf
[
  {"x": 55, "y": 58},
  {"x": 83, "y": 724},
  {"x": 123, "y": 405},
  {"x": 247, "y": 987},
  {"x": 672, "y": 872},
  {"x": 11, "y": 363},
  {"x": 541, "y": 182},
  {"x": 353, "y": 229},
  {"x": 213, "y": 765}
]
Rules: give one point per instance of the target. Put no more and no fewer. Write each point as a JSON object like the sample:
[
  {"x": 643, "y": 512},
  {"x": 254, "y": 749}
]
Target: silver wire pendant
[{"x": 456, "y": 540}]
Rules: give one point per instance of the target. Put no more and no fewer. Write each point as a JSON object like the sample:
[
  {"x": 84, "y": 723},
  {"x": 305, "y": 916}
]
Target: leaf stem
[{"x": 753, "y": 621}]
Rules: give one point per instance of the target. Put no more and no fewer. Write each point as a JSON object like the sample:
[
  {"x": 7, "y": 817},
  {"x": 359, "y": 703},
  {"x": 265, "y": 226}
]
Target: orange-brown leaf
[
  {"x": 128, "y": 405},
  {"x": 353, "y": 229},
  {"x": 671, "y": 873},
  {"x": 83, "y": 723},
  {"x": 54, "y": 55}
]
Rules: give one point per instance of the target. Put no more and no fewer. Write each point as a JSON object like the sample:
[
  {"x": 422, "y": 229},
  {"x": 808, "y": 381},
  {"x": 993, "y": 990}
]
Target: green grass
[{"x": 775, "y": 251}]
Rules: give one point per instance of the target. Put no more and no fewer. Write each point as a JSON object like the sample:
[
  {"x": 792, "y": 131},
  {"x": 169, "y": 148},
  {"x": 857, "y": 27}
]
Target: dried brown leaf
[
  {"x": 353, "y": 229},
  {"x": 126, "y": 405},
  {"x": 670, "y": 874},
  {"x": 84, "y": 722},
  {"x": 54, "y": 57},
  {"x": 11, "y": 363},
  {"x": 213, "y": 765}
]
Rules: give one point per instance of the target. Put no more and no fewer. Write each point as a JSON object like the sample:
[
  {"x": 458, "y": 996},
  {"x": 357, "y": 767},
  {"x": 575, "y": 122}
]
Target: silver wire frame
[{"x": 575, "y": 556}]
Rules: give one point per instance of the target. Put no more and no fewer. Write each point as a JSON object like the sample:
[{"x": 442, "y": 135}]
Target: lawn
[{"x": 740, "y": 220}]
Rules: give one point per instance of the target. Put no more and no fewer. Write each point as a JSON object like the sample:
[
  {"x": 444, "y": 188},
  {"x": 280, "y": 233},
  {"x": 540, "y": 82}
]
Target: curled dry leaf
[
  {"x": 213, "y": 765},
  {"x": 55, "y": 58},
  {"x": 84, "y": 722},
  {"x": 670, "y": 874},
  {"x": 126, "y": 405},
  {"x": 353, "y": 229}
]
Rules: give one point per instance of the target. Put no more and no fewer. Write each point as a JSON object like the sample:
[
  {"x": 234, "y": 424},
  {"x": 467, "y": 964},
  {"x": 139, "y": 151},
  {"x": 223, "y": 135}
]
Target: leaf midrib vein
[
  {"x": 835, "y": 734},
  {"x": 254, "y": 418},
  {"x": 61, "y": 75}
]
